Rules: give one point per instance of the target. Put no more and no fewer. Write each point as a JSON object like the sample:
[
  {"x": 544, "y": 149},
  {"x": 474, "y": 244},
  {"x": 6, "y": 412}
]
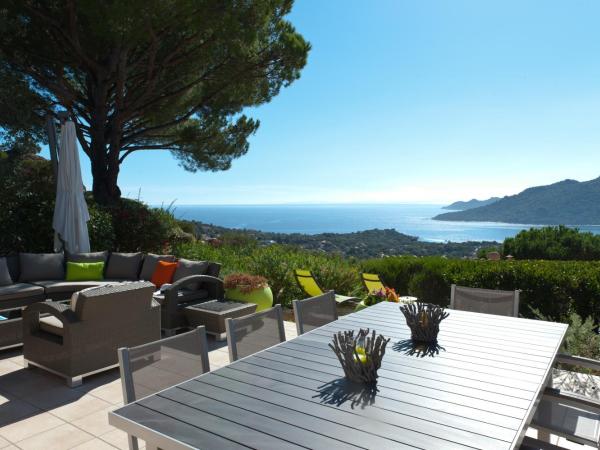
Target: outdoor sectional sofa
[{"x": 28, "y": 278}]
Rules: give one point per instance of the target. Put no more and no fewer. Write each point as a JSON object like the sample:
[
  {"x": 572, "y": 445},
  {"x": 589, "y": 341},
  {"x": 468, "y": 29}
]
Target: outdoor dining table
[{"x": 477, "y": 388}]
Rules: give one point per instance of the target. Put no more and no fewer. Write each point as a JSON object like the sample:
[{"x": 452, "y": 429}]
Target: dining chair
[
  {"x": 488, "y": 301},
  {"x": 152, "y": 367},
  {"x": 566, "y": 414},
  {"x": 314, "y": 312},
  {"x": 255, "y": 332}
]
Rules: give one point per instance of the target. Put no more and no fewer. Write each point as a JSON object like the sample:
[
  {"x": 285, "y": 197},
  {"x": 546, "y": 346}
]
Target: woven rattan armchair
[{"x": 83, "y": 338}]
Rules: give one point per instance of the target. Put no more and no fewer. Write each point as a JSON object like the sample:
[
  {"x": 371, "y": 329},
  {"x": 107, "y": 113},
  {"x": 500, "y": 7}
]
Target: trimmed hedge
[{"x": 555, "y": 288}]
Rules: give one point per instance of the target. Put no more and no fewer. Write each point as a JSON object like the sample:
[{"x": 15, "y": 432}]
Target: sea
[{"x": 411, "y": 219}]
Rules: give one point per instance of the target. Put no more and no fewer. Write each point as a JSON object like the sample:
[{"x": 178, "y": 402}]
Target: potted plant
[
  {"x": 378, "y": 295},
  {"x": 246, "y": 288}
]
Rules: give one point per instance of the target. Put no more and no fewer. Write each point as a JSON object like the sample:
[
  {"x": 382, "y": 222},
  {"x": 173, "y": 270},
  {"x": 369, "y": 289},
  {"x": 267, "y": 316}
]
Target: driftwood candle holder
[
  {"x": 423, "y": 319},
  {"x": 360, "y": 355}
]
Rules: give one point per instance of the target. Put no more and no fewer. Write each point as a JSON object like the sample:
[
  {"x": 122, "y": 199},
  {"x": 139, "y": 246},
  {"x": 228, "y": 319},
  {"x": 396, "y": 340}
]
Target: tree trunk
[
  {"x": 105, "y": 188},
  {"x": 104, "y": 154}
]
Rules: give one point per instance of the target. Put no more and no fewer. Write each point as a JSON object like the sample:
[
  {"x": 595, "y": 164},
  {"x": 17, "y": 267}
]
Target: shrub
[
  {"x": 556, "y": 288},
  {"x": 27, "y": 202},
  {"x": 558, "y": 243}
]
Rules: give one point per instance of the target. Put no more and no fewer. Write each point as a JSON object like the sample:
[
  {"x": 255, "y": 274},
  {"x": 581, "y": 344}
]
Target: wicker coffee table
[{"x": 212, "y": 315}]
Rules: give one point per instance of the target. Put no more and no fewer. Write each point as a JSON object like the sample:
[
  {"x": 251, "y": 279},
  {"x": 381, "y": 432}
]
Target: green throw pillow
[{"x": 92, "y": 271}]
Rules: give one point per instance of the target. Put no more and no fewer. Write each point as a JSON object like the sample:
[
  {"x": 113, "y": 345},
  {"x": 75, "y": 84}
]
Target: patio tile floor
[{"x": 38, "y": 410}]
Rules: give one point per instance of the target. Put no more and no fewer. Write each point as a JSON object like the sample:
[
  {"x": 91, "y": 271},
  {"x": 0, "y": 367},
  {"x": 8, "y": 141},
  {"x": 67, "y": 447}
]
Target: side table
[{"x": 212, "y": 315}]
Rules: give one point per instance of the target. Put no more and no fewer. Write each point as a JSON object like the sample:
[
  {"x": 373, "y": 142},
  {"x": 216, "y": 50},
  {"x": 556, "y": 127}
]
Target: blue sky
[{"x": 413, "y": 101}]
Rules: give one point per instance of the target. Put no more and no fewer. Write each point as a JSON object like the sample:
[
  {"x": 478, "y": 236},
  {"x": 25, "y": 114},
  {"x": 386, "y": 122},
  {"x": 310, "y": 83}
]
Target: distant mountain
[
  {"x": 567, "y": 202},
  {"x": 474, "y": 203}
]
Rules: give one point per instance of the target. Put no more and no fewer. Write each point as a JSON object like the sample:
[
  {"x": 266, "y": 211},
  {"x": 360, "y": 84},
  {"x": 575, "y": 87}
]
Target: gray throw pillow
[
  {"x": 41, "y": 266},
  {"x": 87, "y": 257},
  {"x": 186, "y": 267},
  {"x": 149, "y": 265},
  {"x": 5, "y": 278},
  {"x": 123, "y": 266}
]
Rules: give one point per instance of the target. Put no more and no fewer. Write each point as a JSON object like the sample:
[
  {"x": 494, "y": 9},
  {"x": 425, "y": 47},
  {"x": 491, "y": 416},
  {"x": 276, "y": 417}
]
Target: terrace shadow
[{"x": 342, "y": 390}]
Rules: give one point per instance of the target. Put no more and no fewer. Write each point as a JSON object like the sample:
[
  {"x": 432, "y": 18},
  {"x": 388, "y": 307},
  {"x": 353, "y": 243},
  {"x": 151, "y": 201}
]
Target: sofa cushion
[
  {"x": 149, "y": 264},
  {"x": 124, "y": 265},
  {"x": 163, "y": 273},
  {"x": 186, "y": 268},
  {"x": 13, "y": 266},
  {"x": 41, "y": 266},
  {"x": 87, "y": 257},
  {"x": 19, "y": 290},
  {"x": 5, "y": 278},
  {"x": 51, "y": 324},
  {"x": 85, "y": 271},
  {"x": 59, "y": 286}
]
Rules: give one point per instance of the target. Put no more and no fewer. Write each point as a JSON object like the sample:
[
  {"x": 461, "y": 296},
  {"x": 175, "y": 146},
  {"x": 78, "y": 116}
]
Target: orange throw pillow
[{"x": 163, "y": 273}]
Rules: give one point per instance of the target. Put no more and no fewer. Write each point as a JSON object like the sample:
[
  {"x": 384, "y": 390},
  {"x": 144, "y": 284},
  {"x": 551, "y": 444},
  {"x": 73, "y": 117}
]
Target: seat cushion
[
  {"x": 51, "y": 324},
  {"x": 186, "y": 268},
  {"x": 58, "y": 286},
  {"x": 183, "y": 295},
  {"x": 41, "y": 266},
  {"x": 149, "y": 264},
  {"x": 19, "y": 290},
  {"x": 5, "y": 278},
  {"x": 124, "y": 265}
]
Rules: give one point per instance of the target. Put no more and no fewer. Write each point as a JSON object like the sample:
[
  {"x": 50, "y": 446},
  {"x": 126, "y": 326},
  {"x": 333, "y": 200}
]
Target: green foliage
[
  {"x": 562, "y": 243},
  {"x": 556, "y": 288},
  {"x": 581, "y": 339},
  {"x": 163, "y": 75},
  {"x": 133, "y": 227},
  {"x": 27, "y": 204},
  {"x": 276, "y": 263},
  {"x": 100, "y": 228}
]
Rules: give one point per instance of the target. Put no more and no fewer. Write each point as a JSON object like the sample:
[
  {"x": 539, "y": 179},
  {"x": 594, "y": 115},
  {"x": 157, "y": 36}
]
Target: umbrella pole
[{"x": 51, "y": 130}]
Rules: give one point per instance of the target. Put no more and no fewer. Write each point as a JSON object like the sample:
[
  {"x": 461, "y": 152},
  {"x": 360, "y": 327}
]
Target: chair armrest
[
  {"x": 578, "y": 361},
  {"x": 214, "y": 285},
  {"x": 571, "y": 398},
  {"x": 31, "y": 316},
  {"x": 59, "y": 310}
]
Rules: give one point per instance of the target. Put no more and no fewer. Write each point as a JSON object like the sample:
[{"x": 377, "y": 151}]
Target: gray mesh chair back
[
  {"x": 488, "y": 301},
  {"x": 149, "y": 368},
  {"x": 315, "y": 312},
  {"x": 255, "y": 332}
]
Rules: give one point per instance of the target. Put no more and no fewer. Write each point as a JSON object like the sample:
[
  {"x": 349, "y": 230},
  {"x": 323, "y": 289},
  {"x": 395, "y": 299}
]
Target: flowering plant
[
  {"x": 244, "y": 282},
  {"x": 381, "y": 295}
]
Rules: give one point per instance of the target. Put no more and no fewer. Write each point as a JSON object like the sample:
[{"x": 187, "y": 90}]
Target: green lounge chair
[
  {"x": 372, "y": 282},
  {"x": 309, "y": 285}
]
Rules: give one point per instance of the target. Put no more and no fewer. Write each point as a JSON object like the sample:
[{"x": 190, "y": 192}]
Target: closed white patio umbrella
[{"x": 70, "y": 212}]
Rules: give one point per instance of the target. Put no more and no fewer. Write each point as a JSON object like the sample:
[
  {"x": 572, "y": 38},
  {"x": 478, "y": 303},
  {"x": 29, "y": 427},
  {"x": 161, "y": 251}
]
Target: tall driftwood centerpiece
[
  {"x": 360, "y": 355},
  {"x": 423, "y": 319}
]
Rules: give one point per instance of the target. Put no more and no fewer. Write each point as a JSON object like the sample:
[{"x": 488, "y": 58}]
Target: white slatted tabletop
[{"x": 477, "y": 390}]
